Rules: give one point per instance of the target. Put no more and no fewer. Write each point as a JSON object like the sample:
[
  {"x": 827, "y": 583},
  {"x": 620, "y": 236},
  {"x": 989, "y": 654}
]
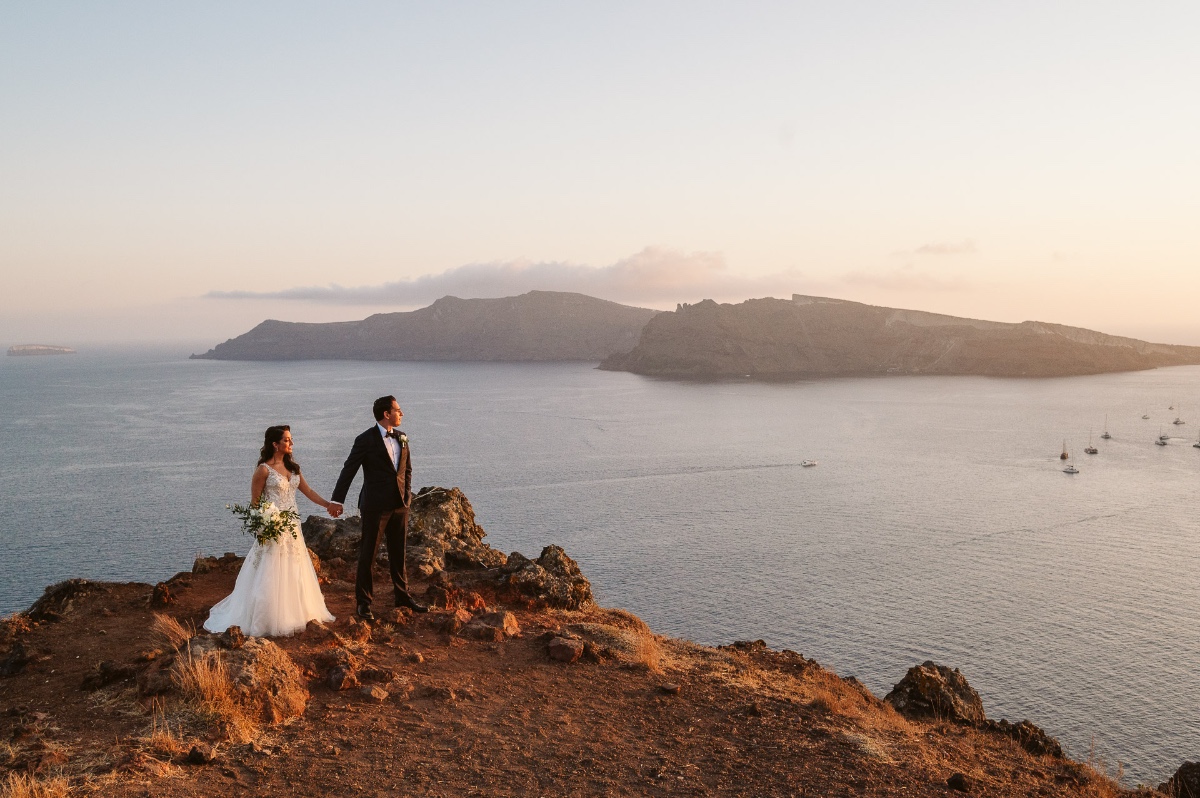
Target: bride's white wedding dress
[{"x": 276, "y": 592}]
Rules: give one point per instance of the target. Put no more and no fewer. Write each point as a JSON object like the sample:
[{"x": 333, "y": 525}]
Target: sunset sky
[{"x": 179, "y": 172}]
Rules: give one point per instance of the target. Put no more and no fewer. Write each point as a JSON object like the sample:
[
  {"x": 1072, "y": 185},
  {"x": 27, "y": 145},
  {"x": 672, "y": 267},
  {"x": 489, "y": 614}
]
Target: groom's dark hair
[{"x": 382, "y": 405}]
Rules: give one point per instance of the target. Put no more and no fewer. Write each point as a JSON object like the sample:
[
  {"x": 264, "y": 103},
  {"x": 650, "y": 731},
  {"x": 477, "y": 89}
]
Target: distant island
[
  {"x": 537, "y": 326},
  {"x": 809, "y": 337},
  {"x": 25, "y": 350}
]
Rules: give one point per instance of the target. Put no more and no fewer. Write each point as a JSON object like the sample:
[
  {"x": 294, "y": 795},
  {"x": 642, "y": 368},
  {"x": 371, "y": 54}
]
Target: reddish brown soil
[{"x": 497, "y": 719}]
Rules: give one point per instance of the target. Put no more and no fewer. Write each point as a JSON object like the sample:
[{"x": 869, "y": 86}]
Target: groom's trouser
[{"x": 392, "y": 526}]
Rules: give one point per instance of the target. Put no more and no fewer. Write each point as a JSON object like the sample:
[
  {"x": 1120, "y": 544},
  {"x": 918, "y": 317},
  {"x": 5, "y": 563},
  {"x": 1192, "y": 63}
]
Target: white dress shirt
[{"x": 393, "y": 446}]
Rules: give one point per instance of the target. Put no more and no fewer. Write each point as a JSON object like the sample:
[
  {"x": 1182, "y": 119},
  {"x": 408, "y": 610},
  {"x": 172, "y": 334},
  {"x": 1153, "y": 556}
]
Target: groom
[{"x": 382, "y": 454}]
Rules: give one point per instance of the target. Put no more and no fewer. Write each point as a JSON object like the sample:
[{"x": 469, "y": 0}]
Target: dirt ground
[{"x": 472, "y": 717}]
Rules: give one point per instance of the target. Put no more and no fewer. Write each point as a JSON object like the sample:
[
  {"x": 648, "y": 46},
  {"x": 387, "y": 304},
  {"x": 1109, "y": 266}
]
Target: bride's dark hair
[{"x": 272, "y": 436}]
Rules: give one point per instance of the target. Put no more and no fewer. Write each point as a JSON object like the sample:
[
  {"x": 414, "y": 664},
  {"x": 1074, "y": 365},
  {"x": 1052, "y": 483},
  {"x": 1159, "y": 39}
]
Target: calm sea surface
[{"x": 938, "y": 524}]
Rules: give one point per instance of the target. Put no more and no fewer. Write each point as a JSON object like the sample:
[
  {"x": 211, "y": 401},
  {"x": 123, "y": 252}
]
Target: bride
[{"x": 276, "y": 592}]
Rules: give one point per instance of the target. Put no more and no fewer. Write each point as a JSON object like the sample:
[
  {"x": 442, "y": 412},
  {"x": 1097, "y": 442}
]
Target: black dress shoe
[
  {"x": 364, "y": 612},
  {"x": 405, "y": 600}
]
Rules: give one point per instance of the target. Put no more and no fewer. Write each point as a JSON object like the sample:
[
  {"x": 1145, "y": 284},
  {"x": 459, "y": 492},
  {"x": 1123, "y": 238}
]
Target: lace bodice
[{"x": 281, "y": 492}]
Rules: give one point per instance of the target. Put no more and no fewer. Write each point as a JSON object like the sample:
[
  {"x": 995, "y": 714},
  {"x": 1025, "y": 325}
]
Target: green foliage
[{"x": 265, "y": 521}]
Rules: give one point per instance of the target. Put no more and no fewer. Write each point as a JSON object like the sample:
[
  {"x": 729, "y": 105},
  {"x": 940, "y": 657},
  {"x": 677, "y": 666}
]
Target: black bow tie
[{"x": 394, "y": 434}]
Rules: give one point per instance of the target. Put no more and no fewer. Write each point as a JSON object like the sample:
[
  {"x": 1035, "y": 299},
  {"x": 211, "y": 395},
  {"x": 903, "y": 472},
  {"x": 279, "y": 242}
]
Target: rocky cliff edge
[{"x": 515, "y": 683}]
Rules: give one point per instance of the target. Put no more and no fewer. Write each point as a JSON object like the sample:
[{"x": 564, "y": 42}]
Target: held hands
[{"x": 334, "y": 509}]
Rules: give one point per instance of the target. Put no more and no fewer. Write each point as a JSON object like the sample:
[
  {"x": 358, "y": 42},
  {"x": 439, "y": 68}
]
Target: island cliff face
[
  {"x": 818, "y": 337},
  {"x": 537, "y": 326}
]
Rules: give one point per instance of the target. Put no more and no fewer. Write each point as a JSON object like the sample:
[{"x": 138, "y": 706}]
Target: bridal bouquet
[{"x": 265, "y": 521}]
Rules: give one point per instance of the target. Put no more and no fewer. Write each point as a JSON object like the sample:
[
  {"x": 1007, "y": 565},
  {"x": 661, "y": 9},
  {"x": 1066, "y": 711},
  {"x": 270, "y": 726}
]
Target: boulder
[
  {"x": 565, "y": 649},
  {"x": 1185, "y": 783},
  {"x": 554, "y": 580},
  {"x": 374, "y": 693},
  {"x": 342, "y": 668},
  {"x": 59, "y": 599},
  {"x": 232, "y": 638},
  {"x": 201, "y": 754},
  {"x": 203, "y": 564},
  {"x": 935, "y": 691},
  {"x": 265, "y": 681},
  {"x": 1032, "y": 738},
  {"x": 329, "y": 538},
  {"x": 456, "y": 621},
  {"x": 443, "y": 534},
  {"x": 494, "y": 626},
  {"x": 161, "y": 596}
]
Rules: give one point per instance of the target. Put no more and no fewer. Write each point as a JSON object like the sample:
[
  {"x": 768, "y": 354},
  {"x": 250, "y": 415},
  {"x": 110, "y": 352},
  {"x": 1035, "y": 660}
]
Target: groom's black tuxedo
[
  {"x": 383, "y": 501},
  {"x": 384, "y": 487}
]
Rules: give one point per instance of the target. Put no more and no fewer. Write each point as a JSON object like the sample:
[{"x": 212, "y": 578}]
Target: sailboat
[
  {"x": 1178, "y": 420},
  {"x": 1090, "y": 448},
  {"x": 1162, "y": 438},
  {"x": 1070, "y": 469},
  {"x": 1064, "y": 455},
  {"x": 1105, "y": 434},
  {"x": 1145, "y": 415},
  {"x": 1197, "y": 443}
]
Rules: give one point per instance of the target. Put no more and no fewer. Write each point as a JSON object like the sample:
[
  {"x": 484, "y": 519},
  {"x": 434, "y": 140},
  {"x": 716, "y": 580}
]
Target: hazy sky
[{"x": 165, "y": 165}]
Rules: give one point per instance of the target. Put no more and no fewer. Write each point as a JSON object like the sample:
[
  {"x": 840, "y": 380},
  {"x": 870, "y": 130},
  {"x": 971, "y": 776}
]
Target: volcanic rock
[
  {"x": 443, "y": 534},
  {"x": 201, "y": 754},
  {"x": 265, "y": 680},
  {"x": 554, "y": 580},
  {"x": 565, "y": 649},
  {"x": 494, "y": 626},
  {"x": 330, "y": 538},
  {"x": 59, "y": 599},
  {"x": 1032, "y": 738},
  {"x": 1185, "y": 783},
  {"x": 935, "y": 691}
]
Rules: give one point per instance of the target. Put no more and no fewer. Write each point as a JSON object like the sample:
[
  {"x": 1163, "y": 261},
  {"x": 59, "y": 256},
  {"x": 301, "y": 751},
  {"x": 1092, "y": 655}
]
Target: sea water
[{"x": 938, "y": 523}]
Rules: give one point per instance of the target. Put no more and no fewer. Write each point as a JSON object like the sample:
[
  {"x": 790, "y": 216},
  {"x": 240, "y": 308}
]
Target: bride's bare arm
[
  {"x": 313, "y": 496},
  {"x": 258, "y": 482}
]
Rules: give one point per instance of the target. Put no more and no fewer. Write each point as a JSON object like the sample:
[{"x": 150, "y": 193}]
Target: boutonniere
[{"x": 403, "y": 440}]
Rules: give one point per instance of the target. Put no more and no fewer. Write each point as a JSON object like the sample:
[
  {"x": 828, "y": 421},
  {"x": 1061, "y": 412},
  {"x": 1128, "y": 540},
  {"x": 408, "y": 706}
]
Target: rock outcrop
[
  {"x": 444, "y": 539},
  {"x": 266, "y": 682},
  {"x": 537, "y": 326},
  {"x": 1185, "y": 783},
  {"x": 935, "y": 691},
  {"x": 443, "y": 534},
  {"x": 553, "y": 580},
  {"x": 809, "y": 337}
]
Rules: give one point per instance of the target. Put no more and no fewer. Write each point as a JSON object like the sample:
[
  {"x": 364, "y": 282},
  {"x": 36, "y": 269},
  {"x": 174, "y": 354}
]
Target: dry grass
[
  {"x": 170, "y": 631},
  {"x": 20, "y": 785},
  {"x": 208, "y": 691},
  {"x": 647, "y": 652},
  {"x": 162, "y": 741},
  {"x": 869, "y": 746},
  {"x": 828, "y": 698}
]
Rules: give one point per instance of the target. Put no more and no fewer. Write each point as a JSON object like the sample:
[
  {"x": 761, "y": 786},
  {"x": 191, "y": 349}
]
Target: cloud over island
[{"x": 654, "y": 276}]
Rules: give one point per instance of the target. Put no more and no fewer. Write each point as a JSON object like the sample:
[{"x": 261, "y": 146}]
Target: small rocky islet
[{"x": 515, "y": 683}]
